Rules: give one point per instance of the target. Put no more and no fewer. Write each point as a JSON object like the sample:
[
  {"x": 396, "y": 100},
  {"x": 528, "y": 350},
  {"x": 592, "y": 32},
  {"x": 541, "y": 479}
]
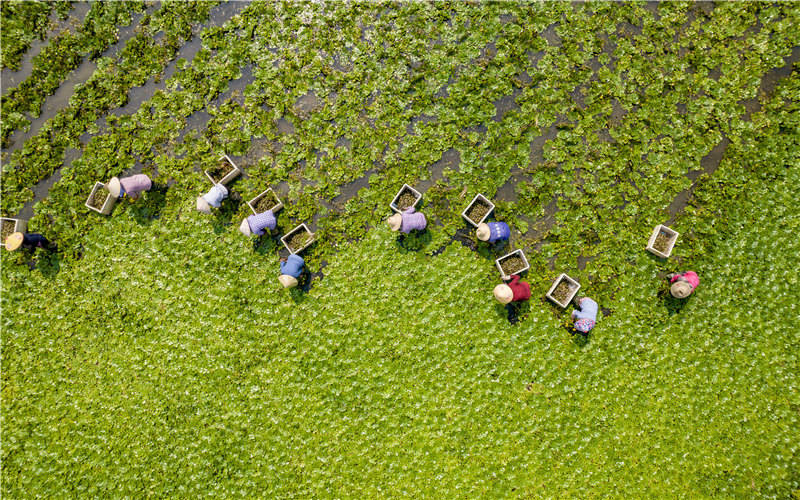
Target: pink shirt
[{"x": 689, "y": 276}]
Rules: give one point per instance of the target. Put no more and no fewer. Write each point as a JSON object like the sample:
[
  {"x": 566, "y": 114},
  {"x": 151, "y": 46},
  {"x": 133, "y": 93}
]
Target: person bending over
[
  {"x": 258, "y": 224},
  {"x": 514, "y": 291},
  {"x": 407, "y": 221},
  {"x": 291, "y": 269},
  {"x": 493, "y": 231},
  {"x": 683, "y": 284},
  {"x": 585, "y": 315},
  {"x": 213, "y": 198}
]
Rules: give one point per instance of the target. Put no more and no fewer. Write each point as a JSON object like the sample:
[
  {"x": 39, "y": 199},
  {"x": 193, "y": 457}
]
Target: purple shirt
[
  {"x": 412, "y": 220},
  {"x": 135, "y": 184},
  {"x": 259, "y": 222}
]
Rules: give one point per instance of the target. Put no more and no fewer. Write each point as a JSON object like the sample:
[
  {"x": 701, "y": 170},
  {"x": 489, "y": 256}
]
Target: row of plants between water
[
  {"x": 143, "y": 57},
  {"x": 23, "y": 22},
  {"x": 63, "y": 54}
]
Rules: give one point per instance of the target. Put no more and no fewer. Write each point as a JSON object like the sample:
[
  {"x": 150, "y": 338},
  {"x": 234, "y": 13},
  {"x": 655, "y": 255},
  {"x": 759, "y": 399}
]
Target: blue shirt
[
  {"x": 293, "y": 266},
  {"x": 498, "y": 231}
]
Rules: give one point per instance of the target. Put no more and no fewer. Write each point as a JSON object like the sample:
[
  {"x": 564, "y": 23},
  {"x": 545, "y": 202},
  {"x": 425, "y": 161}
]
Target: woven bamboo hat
[
  {"x": 203, "y": 205},
  {"x": 503, "y": 293},
  {"x": 680, "y": 289},
  {"x": 483, "y": 231},
  {"x": 114, "y": 187},
  {"x": 395, "y": 221},
  {"x": 245, "y": 227},
  {"x": 14, "y": 241},
  {"x": 287, "y": 281}
]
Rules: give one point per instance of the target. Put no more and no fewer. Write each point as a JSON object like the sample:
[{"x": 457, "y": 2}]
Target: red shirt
[{"x": 522, "y": 290}]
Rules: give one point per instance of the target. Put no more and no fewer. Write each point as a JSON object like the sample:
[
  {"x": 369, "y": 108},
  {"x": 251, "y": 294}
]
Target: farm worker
[
  {"x": 256, "y": 224},
  {"x": 291, "y": 269},
  {"x": 28, "y": 241},
  {"x": 407, "y": 221},
  {"x": 213, "y": 198},
  {"x": 131, "y": 186},
  {"x": 493, "y": 231},
  {"x": 585, "y": 315},
  {"x": 515, "y": 291},
  {"x": 683, "y": 284}
]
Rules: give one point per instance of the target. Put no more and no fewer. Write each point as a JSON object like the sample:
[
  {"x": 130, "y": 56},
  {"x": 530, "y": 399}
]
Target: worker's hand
[{"x": 283, "y": 259}]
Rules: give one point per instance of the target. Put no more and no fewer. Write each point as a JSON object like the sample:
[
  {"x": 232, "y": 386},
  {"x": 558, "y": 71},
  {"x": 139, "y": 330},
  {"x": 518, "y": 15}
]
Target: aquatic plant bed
[
  {"x": 298, "y": 239},
  {"x": 478, "y": 210},
  {"x": 407, "y": 197},
  {"x": 267, "y": 200},
  {"x": 662, "y": 241},
  {"x": 223, "y": 171},
  {"x": 512, "y": 263},
  {"x": 387, "y": 374},
  {"x": 563, "y": 290},
  {"x": 100, "y": 200},
  {"x": 9, "y": 226}
]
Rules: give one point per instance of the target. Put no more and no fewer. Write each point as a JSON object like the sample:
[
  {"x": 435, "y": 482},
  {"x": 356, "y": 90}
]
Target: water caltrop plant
[{"x": 156, "y": 354}]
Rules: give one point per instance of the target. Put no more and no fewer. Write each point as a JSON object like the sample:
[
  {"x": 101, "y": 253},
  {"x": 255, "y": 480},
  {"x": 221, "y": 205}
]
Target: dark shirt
[{"x": 34, "y": 240}]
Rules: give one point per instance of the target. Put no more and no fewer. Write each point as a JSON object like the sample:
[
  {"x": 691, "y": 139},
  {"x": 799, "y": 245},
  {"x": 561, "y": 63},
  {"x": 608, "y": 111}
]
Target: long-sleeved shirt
[
  {"x": 293, "y": 266},
  {"x": 521, "y": 290},
  {"x": 259, "y": 222},
  {"x": 215, "y": 195},
  {"x": 498, "y": 231},
  {"x": 412, "y": 220},
  {"x": 690, "y": 276},
  {"x": 135, "y": 184},
  {"x": 585, "y": 317}
]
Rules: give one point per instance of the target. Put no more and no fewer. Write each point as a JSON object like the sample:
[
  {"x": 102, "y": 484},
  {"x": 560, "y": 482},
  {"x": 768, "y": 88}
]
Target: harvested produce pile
[
  {"x": 563, "y": 290},
  {"x": 512, "y": 264},
  {"x": 99, "y": 198},
  {"x": 8, "y": 228},
  {"x": 220, "y": 170},
  {"x": 406, "y": 199},
  {"x": 662, "y": 241},
  {"x": 298, "y": 239},
  {"x": 477, "y": 210},
  {"x": 266, "y": 202}
]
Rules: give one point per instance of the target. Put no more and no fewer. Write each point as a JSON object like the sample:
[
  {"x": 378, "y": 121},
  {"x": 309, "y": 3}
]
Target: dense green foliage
[
  {"x": 23, "y": 21},
  {"x": 156, "y": 354},
  {"x": 143, "y": 57},
  {"x": 62, "y": 55}
]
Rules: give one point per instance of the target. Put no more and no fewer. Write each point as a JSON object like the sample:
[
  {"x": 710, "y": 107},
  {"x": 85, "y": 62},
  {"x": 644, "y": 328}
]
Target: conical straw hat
[
  {"x": 245, "y": 227},
  {"x": 203, "y": 205},
  {"x": 395, "y": 221},
  {"x": 503, "y": 293},
  {"x": 287, "y": 281},
  {"x": 14, "y": 241},
  {"x": 483, "y": 231},
  {"x": 680, "y": 289},
  {"x": 114, "y": 187}
]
